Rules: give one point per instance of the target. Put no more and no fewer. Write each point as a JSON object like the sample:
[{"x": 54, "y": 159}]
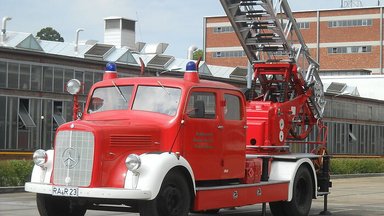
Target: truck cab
[{"x": 133, "y": 132}]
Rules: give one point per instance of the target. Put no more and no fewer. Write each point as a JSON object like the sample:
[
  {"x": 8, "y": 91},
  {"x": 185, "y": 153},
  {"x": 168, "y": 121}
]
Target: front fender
[
  {"x": 154, "y": 167},
  {"x": 286, "y": 171}
]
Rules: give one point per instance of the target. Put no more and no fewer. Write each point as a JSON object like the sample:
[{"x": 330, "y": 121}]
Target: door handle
[{"x": 220, "y": 127}]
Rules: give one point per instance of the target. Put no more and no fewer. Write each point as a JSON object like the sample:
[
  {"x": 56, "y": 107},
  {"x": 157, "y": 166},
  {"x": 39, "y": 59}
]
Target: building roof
[
  {"x": 20, "y": 40},
  {"x": 365, "y": 86},
  {"x": 369, "y": 86}
]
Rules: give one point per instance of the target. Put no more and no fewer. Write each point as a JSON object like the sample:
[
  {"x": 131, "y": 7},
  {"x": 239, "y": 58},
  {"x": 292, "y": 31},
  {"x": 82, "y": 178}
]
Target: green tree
[
  {"x": 49, "y": 34},
  {"x": 197, "y": 54}
]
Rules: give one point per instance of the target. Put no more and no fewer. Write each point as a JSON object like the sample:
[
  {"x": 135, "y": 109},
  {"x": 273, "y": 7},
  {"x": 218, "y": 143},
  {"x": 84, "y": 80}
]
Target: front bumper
[{"x": 106, "y": 193}]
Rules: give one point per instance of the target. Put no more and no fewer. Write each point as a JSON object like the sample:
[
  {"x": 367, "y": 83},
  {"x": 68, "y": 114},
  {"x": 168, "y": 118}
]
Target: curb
[
  {"x": 17, "y": 189},
  {"x": 357, "y": 175}
]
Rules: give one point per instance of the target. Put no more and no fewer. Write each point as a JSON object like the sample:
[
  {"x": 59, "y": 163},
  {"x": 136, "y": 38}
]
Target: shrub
[
  {"x": 357, "y": 165},
  {"x": 15, "y": 172}
]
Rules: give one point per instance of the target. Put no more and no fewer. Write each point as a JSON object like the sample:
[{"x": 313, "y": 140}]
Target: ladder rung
[
  {"x": 250, "y": 3},
  {"x": 271, "y": 49},
  {"x": 265, "y": 34}
]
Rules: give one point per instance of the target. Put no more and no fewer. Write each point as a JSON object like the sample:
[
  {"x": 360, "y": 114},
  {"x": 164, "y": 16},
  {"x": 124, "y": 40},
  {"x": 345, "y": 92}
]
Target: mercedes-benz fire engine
[{"x": 166, "y": 146}]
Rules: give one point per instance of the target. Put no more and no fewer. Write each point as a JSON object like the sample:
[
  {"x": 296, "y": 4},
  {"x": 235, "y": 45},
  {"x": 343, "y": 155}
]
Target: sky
[{"x": 176, "y": 22}]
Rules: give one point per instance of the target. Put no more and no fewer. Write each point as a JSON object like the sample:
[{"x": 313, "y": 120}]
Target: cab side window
[
  {"x": 232, "y": 109},
  {"x": 202, "y": 105}
]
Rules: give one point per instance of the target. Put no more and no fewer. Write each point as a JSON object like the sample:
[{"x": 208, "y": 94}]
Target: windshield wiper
[
  {"x": 168, "y": 93},
  {"x": 119, "y": 91}
]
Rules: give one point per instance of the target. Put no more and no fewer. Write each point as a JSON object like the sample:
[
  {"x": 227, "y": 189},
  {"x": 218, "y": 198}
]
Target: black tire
[
  {"x": 174, "y": 198},
  {"x": 48, "y": 205},
  {"x": 277, "y": 208},
  {"x": 301, "y": 202}
]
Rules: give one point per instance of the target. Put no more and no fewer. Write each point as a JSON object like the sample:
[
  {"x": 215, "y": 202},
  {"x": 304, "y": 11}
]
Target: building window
[
  {"x": 3, "y": 74},
  {"x": 48, "y": 78},
  {"x": 348, "y": 50},
  {"x": 25, "y": 76},
  {"x": 229, "y": 54},
  {"x": 58, "y": 84},
  {"x": 88, "y": 76},
  {"x": 25, "y": 117},
  {"x": 349, "y": 23},
  {"x": 3, "y": 123},
  {"x": 57, "y": 115},
  {"x": 25, "y": 123},
  {"x": 12, "y": 123},
  {"x": 36, "y": 77},
  {"x": 13, "y": 75},
  {"x": 223, "y": 29},
  {"x": 303, "y": 25}
]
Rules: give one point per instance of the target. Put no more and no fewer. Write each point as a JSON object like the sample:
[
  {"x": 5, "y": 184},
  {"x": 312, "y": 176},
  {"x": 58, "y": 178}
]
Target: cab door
[
  {"x": 201, "y": 134},
  {"x": 232, "y": 133}
]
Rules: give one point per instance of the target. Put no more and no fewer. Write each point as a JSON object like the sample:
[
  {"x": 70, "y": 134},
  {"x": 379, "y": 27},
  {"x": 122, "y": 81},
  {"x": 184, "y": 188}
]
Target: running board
[{"x": 240, "y": 195}]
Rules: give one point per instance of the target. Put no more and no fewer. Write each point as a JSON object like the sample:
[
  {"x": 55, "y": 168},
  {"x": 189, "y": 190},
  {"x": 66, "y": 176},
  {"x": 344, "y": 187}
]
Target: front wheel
[
  {"x": 48, "y": 205},
  {"x": 301, "y": 202},
  {"x": 174, "y": 198}
]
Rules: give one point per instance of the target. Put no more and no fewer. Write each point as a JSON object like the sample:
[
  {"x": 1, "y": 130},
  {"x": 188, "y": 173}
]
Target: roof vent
[
  {"x": 120, "y": 32},
  {"x": 99, "y": 51},
  {"x": 239, "y": 73},
  {"x": 336, "y": 87},
  {"x": 158, "y": 48},
  {"x": 160, "y": 61}
]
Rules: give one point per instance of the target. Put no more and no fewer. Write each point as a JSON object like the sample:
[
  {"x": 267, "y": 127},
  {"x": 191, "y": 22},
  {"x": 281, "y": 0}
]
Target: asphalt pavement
[{"x": 349, "y": 197}]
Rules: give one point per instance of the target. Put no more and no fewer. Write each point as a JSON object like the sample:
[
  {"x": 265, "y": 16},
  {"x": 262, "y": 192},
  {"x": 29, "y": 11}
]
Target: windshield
[
  {"x": 110, "y": 98},
  {"x": 159, "y": 99}
]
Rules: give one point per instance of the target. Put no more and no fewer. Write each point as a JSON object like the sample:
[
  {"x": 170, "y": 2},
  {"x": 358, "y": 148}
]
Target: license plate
[{"x": 65, "y": 191}]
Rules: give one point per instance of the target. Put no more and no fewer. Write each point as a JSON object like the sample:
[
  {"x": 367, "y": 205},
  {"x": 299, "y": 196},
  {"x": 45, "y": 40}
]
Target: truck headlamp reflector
[
  {"x": 133, "y": 162},
  {"x": 73, "y": 86},
  {"x": 40, "y": 157}
]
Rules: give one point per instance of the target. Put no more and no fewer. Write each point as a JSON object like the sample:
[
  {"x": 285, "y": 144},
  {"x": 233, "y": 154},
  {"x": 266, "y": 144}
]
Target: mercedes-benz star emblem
[{"x": 70, "y": 157}]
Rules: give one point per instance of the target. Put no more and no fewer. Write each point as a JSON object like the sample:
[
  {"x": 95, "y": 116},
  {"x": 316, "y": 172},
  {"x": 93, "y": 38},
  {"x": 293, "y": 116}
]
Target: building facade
[
  {"x": 339, "y": 39},
  {"x": 33, "y": 100},
  {"x": 33, "y": 97}
]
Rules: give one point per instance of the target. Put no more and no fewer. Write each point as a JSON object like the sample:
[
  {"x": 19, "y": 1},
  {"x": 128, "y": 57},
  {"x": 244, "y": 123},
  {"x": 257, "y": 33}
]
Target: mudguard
[
  {"x": 286, "y": 171},
  {"x": 43, "y": 174},
  {"x": 154, "y": 167}
]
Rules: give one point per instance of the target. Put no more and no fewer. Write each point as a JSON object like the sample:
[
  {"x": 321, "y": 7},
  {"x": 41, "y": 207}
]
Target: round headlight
[
  {"x": 40, "y": 157},
  {"x": 73, "y": 86},
  {"x": 133, "y": 162}
]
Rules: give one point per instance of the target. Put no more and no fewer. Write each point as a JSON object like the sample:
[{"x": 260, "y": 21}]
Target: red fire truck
[{"x": 166, "y": 146}]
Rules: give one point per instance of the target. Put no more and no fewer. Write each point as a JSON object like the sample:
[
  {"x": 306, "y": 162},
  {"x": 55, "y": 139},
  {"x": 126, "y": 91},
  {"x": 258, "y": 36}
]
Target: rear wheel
[
  {"x": 302, "y": 196},
  {"x": 48, "y": 205},
  {"x": 174, "y": 198}
]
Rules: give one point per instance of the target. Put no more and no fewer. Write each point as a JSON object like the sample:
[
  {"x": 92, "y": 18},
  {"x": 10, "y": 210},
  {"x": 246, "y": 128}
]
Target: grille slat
[
  {"x": 74, "y": 152},
  {"x": 123, "y": 140}
]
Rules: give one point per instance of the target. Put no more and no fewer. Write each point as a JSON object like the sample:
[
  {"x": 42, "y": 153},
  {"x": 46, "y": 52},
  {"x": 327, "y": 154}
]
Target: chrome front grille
[{"x": 74, "y": 152}]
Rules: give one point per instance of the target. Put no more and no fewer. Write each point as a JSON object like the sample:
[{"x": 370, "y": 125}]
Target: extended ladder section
[{"x": 270, "y": 34}]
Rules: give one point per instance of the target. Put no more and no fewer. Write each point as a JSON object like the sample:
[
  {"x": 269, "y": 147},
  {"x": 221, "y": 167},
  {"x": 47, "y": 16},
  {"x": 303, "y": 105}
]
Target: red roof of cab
[{"x": 166, "y": 81}]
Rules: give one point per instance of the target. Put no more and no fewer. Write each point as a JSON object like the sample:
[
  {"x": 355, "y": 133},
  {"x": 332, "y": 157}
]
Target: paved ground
[{"x": 350, "y": 197}]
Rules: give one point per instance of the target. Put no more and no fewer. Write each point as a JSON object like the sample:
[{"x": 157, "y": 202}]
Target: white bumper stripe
[{"x": 111, "y": 193}]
